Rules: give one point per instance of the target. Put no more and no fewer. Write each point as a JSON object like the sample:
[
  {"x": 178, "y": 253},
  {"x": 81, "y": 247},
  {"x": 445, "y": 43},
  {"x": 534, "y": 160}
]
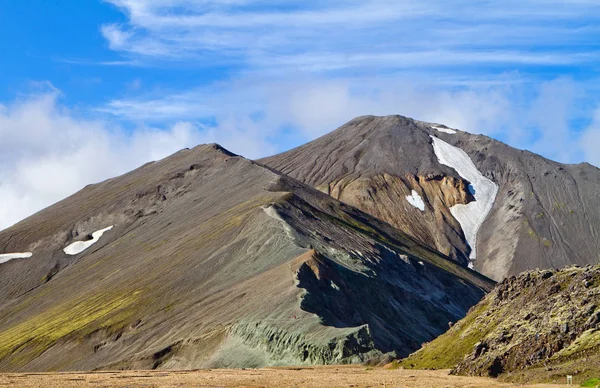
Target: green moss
[
  {"x": 450, "y": 348},
  {"x": 591, "y": 383},
  {"x": 32, "y": 337},
  {"x": 586, "y": 341}
]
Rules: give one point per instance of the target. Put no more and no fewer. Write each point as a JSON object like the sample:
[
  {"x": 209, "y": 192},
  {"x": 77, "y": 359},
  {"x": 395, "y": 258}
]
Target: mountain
[
  {"x": 477, "y": 200},
  {"x": 539, "y": 326},
  {"x": 207, "y": 259}
]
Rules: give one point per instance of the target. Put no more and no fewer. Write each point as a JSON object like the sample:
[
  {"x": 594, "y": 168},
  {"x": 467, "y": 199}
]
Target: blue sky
[{"x": 91, "y": 89}]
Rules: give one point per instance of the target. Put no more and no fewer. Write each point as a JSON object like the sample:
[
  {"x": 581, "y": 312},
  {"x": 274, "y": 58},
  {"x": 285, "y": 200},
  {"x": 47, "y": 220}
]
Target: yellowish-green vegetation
[
  {"x": 591, "y": 383},
  {"x": 588, "y": 340},
  {"x": 77, "y": 319},
  {"x": 537, "y": 327},
  {"x": 449, "y": 348}
]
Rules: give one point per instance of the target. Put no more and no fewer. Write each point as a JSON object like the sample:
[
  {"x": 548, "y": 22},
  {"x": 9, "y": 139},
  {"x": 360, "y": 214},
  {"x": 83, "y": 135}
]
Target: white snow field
[
  {"x": 445, "y": 130},
  {"x": 79, "y": 246},
  {"x": 4, "y": 257},
  {"x": 416, "y": 200},
  {"x": 471, "y": 215}
]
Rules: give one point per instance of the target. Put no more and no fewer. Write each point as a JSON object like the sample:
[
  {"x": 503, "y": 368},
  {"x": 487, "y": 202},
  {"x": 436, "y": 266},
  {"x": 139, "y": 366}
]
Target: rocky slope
[
  {"x": 414, "y": 175},
  {"x": 539, "y": 326},
  {"x": 206, "y": 259}
]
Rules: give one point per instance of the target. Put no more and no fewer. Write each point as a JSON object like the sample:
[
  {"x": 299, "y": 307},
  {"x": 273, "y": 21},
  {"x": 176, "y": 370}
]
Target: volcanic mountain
[
  {"x": 471, "y": 197},
  {"x": 207, "y": 259}
]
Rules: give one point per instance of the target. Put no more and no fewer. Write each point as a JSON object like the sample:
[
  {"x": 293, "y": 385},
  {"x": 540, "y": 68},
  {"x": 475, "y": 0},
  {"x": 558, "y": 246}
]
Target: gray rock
[{"x": 546, "y": 214}]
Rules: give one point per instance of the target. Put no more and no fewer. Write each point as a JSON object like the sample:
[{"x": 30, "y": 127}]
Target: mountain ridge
[
  {"x": 216, "y": 261},
  {"x": 543, "y": 209}
]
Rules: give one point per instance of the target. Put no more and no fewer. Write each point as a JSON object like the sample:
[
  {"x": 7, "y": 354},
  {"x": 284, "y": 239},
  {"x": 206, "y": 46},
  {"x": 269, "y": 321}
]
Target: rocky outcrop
[
  {"x": 296, "y": 348},
  {"x": 384, "y": 196},
  {"x": 539, "y": 326}
]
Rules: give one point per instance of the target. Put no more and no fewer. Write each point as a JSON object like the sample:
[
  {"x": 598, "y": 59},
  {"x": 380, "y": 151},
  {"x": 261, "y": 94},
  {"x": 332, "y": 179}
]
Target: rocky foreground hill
[
  {"x": 539, "y": 326},
  {"x": 207, "y": 259},
  {"x": 469, "y": 196}
]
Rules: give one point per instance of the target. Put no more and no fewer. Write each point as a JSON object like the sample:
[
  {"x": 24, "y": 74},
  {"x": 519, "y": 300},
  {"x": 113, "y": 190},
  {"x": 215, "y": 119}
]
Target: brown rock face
[
  {"x": 384, "y": 196},
  {"x": 545, "y": 214},
  {"x": 374, "y": 163}
]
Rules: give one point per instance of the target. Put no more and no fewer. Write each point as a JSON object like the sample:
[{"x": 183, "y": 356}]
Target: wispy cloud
[
  {"x": 590, "y": 139},
  {"x": 87, "y": 62},
  {"x": 511, "y": 107},
  {"x": 272, "y": 74},
  {"x": 363, "y": 34},
  {"x": 47, "y": 152},
  {"x": 518, "y": 70}
]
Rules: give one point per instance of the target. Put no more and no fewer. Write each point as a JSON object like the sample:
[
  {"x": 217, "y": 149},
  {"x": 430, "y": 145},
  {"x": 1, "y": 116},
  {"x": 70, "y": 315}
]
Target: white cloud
[
  {"x": 305, "y": 68},
  {"x": 316, "y": 105},
  {"x": 116, "y": 37},
  {"x": 47, "y": 153},
  {"x": 357, "y": 34},
  {"x": 533, "y": 116},
  {"x": 590, "y": 140},
  {"x": 314, "y": 65},
  {"x": 551, "y": 112}
]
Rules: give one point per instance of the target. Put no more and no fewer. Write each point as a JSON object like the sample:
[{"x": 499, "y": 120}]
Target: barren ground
[{"x": 336, "y": 376}]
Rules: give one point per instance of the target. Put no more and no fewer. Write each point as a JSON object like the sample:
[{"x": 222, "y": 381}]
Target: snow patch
[
  {"x": 471, "y": 215},
  {"x": 5, "y": 257},
  {"x": 79, "y": 246},
  {"x": 443, "y": 129},
  {"x": 416, "y": 200},
  {"x": 404, "y": 258}
]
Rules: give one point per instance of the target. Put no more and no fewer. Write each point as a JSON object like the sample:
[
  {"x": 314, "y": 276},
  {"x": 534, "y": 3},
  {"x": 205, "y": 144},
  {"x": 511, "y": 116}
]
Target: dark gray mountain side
[
  {"x": 215, "y": 261},
  {"x": 542, "y": 214}
]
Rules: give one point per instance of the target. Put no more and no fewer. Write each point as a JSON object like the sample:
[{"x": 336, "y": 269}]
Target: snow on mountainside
[
  {"x": 472, "y": 215},
  {"x": 5, "y": 257},
  {"x": 215, "y": 261},
  {"x": 528, "y": 212},
  {"x": 79, "y": 246},
  {"x": 415, "y": 199}
]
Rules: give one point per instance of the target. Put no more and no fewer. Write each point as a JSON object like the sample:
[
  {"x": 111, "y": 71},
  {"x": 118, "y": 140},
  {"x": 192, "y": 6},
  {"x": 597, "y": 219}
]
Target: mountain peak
[
  {"x": 214, "y": 147},
  {"x": 386, "y": 164},
  {"x": 174, "y": 262}
]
